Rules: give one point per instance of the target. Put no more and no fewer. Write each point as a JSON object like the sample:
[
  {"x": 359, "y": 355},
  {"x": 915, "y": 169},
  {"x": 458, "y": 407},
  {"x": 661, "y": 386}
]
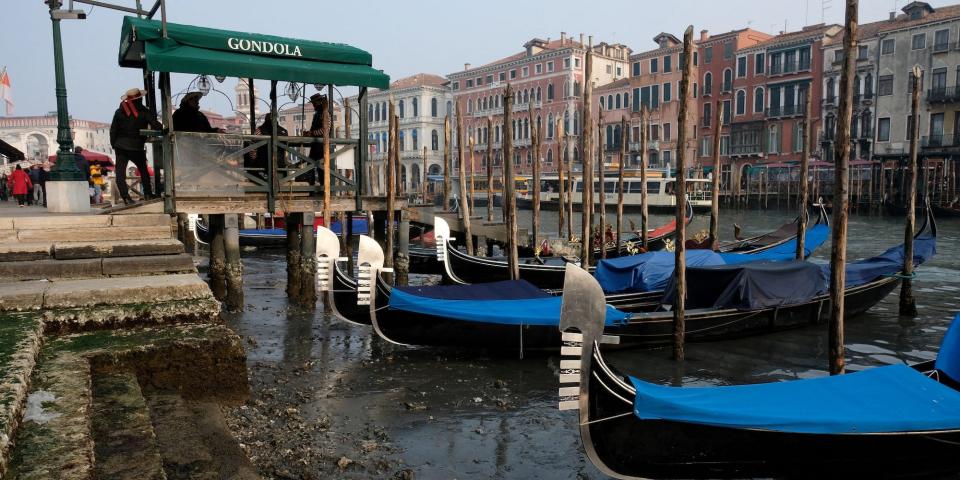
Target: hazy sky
[{"x": 404, "y": 37}]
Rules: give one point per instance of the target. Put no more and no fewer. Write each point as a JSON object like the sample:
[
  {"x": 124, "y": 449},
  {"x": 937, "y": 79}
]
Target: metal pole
[
  {"x": 65, "y": 168},
  {"x": 360, "y": 159}
]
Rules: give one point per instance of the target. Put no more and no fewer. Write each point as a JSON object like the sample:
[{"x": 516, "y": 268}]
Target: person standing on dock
[
  {"x": 189, "y": 118},
  {"x": 319, "y": 127},
  {"x": 128, "y": 142}
]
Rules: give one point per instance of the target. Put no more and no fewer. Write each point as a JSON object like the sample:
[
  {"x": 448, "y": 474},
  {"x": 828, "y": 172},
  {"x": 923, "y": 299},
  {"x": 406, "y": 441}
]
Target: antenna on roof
[{"x": 824, "y": 6}]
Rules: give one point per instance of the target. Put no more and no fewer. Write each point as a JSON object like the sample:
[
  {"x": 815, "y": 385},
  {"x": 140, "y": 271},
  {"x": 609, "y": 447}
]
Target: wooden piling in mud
[
  {"x": 644, "y": 118},
  {"x": 292, "y": 225},
  {"x": 715, "y": 183},
  {"x": 308, "y": 260},
  {"x": 216, "y": 271},
  {"x": 392, "y": 156},
  {"x": 841, "y": 200},
  {"x": 908, "y": 303},
  {"x": 489, "y": 170},
  {"x": 680, "y": 263},
  {"x": 473, "y": 179},
  {"x": 509, "y": 198},
  {"x": 586, "y": 201},
  {"x": 462, "y": 176},
  {"x": 561, "y": 196},
  {"x": 623, "y": 159},
  {"x": 535, "y": 139},
  {"x": 446, "y": 163},
  {"x": 804, "y": 168},
  {"x": 603, "y": 186},
  {"x": 233, "y": 269}
]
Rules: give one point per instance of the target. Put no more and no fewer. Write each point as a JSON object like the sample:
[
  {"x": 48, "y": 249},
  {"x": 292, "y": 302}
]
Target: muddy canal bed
[{"x": 330, "y": 400}]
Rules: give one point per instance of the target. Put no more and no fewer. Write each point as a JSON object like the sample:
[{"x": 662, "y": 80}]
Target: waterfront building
[
  {"x": 549, "y": 74},
  {"x": 36, "y": 136}
]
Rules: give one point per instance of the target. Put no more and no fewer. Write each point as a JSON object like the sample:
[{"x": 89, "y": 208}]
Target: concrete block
[
  {"x": 22, "y": 295},
  {"x": 8, "y": 236},
  {"x": 18, "y": 252},
  {"x": 117, "y": 248},
  {"x": 51, "y": 269},
  {"x": 148, "y": 265},
  {"x": 125, "y": 290},
  {"x": 141, "y": 220},
  {"x": 67, "y": 197},
  {"x": 6, "y": 223},
  {"x": 93, "y": 234},
  {"x": 47, "y": 222}
]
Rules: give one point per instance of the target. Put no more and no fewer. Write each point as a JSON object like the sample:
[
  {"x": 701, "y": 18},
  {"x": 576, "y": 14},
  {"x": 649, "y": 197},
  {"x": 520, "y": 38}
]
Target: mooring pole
[
  {"x": 234, "y": 268},
  {"x": 473, "y": 178},
  {"x": 586, "y": 200},
  {"x": 462, "y": 175},
  {"x": 571, "y": 182},
  {"x": 680, "y": 264},
  {"x": 308, "y": 260},
  {"x": 423, "y": 177},
  {"x": 292, "y": 225},
  {"x": 804, "y": 167},
  {"x": 446, "y": 163},
  {"x": 908, "y": 304},
  {"x": 644, "y": 118},
  {"x": 392, "y": 157},
  {"x": 535, "y": 138},
  {"x": 561, "y": 200},
  {"x": 715, "y": 180},
  {"x": 601, "y": 180},
  {"x": 623, "y": 159},
  {"x": 841, "y": 200},
  {"x": 216, "y": 271},
  {"x": 509, "y": 200},
  {"x": 489, "y": 170}
]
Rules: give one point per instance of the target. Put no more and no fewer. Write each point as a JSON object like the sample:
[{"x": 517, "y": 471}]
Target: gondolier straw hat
[
  {"x": 318, "y": 97},
  {"x": 133, "y": 94},
  {"x": 191, "y": 95}
]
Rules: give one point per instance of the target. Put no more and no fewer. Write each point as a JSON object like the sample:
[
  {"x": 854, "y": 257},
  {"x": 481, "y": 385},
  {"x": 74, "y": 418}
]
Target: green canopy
[{"x": 200, "y": 50}]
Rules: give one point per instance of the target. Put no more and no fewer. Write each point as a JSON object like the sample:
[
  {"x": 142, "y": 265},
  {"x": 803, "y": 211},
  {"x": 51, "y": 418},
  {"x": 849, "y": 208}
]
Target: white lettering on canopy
[{"x": 261, "y": 46}]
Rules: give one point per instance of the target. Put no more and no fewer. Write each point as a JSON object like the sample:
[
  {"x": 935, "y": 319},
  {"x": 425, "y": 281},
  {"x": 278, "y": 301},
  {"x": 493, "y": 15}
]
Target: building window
[
  {"x": 401, "y": 108},
  {"x": 798, "y": 137},
  {"x": 887, "y": 46},
  {"x": 773, "y": 143},
  {"x": 618, "y": 100},
  {"x": 654, "y": 132},
  {"x": 550, "y": 92},
  {"x": 706, "y": 145},
  {"x": 576, "y": 63},
  {"x": 550, "y": 66},
  {"x": 538, "y": 93},
  {"x": 433, "y": 107},
  {"x": 526, "y": 72},
  {"x": 667, "y": 93},
  {"x": 909, "y": 127},
  {"x": 489, "y": 79},
  {"x": 741, "y": 67},
  {"x": 538, "y": 68},
  {"x": 708, "y": 83},
  {"x": 416, "y": 106},
  {"x": 566, "y": 63},
  {"x": 941, "y": 40},
  {"x": 653, "y": 65},
  {"x": 804, "y": 59},
  {"x": 695, "y": 90},
  {"x": 469, "y": 83},
  {"x": 667, "y": 157},
  {"x": 609, "y": 69},
  {"x": 728, "y": 50},
  {"x": 707, "y": 116},
  {"x": 666, "y": 132},
  {"x": 741, "y": 102},
  {"x": 667, "y": 68},
  {"x": 413, "y": 137},
  {"x": 503, "y": 76},
  {"x": 602, "y": 103},
  {"x": 885, "y": 85},
  {"x": 727, "y": 81},
  {"x": 636, "y": 98},
  {"x": 726, "y": 112},
  {"x": 708, "y": 55},
  {"x": 456, "y": 85},
  {"x": 758, "y": 64},
  {"x": 919, "y": 41},
  {"x": 636, "y": 69},
  {"x": 883, "y": 129},
  {"x": 513, "y": 74},
  {"x": 758, "y": 100},
  {"x": 654, "y": 97},
  {"x": 862, "y": 52}
]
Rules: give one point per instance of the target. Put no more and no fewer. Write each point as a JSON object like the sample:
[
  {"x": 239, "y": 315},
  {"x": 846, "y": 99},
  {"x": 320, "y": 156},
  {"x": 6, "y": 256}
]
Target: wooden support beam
[
  {"x": 489, "y": 170},
  {"x": 308, "y": 261},
  {"x": 841, "y": 194},
  {"x": 473, "y": 178},
  {"x": 509, "y": 197},
  {"x": 446, "y": 163},
  {"x": 535, "y": 139},
  {"x": 680, "y": 263},
  {"x": 216, "y": 272},
  {"x": 804, "y": 169},
  {"x": 908, "y": 304},
  {"x": 234, "y": 267},
  {"x": 462, "y": 176},
  {"x": 561, "y": 170},
  {"x": 624, "y": 136},
  {"x": 601, "y": 179},
  {"x": 644, "y": 204},
  {"x": 392, "y": 158},
  {"x": 715, "y": 183},
  {"x": 292, "y": 225},
  {"x": 586, "y": 201}
]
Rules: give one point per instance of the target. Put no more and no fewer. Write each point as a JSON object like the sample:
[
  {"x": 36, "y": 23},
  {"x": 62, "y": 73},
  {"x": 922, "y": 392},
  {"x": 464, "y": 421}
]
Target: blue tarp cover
[
  {"x": 530, "y": 311},
  {"x": 887, "y": 263},
  {"x": 948, "y": 360},
  {"x": 751, "y": 286},
  {"x": 504, "y": 290},
  {"x": 884, "y": 399},
  {"x": 652, "y": 271}
]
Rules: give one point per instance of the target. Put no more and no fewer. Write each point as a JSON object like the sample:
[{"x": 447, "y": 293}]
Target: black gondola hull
[{"x": 345, "y": 299}]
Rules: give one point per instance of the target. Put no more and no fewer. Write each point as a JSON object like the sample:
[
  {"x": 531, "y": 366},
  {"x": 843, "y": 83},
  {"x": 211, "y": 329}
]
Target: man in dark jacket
[
  {"x": 189, "y": 118},
  {"x": 257, "y": 159},
  {"x": 319, "y": 127},
  {"x": 128, "y": 143}
]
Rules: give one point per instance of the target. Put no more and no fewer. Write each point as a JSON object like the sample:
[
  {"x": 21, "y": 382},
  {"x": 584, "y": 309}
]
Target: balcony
[
  {"x": 746, "y": 150},
  {"x": 785, "y": 111},
  {"x": 940, "y": 141},
  {"x": 943, "y": 94}
]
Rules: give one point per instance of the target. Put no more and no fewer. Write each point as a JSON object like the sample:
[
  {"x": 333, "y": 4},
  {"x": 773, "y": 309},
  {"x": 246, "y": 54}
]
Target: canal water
[{"x": 330, "y": 400}]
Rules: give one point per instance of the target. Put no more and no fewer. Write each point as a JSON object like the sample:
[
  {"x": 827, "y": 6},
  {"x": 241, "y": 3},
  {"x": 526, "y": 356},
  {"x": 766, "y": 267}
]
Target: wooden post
[
  {"x": 392, "y": 156},
  {"x": 838, "y": 254},
  {"x": 292, "y": 224},
  {"x": 586, "y": 200},
  {"x": 473, "y": 179},
  {"x": 804, "y": 168},
  {"x": 908, "y": 304},
  {"x": 623, "y": 159},
  {"x": 461, "y": 169},
  {"x": 423, "y": 176},
  {"x": 234, "y": 268},
  {"x": 327, "y": 184},
  {"x": 216, "y": 272},
  {"x": 308, "y": 260},
  {"x": 571, "y": 183},
  {"x": 489, "y": 170},
  {"x": 561, "y": 195},
  {"x": 401, "y": 266},
  {"x": 446, "y": 163},
  {"x": 643, "y": 176},
  {"x": 535, "y": 139},
  {"x": 601, "y": 156},
  {"x": 680, "y": 263},
  {"x": 715, "y": 183},
  {"x": 509, "y": 199}
]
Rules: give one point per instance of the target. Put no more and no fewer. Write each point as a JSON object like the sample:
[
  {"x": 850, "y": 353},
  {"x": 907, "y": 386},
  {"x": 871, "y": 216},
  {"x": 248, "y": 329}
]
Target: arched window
[
  {"x": 497, "y": 100},
  {"x": 376, "y": 114},
  {"x": 549, "y": 156},
  {"x": 576, "y": 155},
  {"x": 616, "y": 136},
  {"x": 550, "y": 92},
  {"x": 470, "y": 105},
  {"x": 369, "y": 113},
  {"x": 868, "y": 85},
  {"x": 618, "y": 100},
  {"x": 413, "y": 136},
  {"x": 727, "y": 80},
  {"x": 566, "y": 89},
  {"x": 526, "y": 128},
  {"x": 626, "y": 100},
  {"x": 566, "y": 122},
  {"x": 416, "y": 107},
  {"x": 550, "y": 126},
  {"x": 526, "y": 96},
  {"x": 434, "y": 140},
  {"x": 449, "y": 107},
  {"x": 576, "y": 121},
  {"x": 830, "y": 90},
  {"x": 401, "y": 107},
  {"x": 576, "y": 88},
  {"x": 708, "y": 83},
  {"x": 433, "y": 107},
  {"x": 513, "y": 129},
  {"x": 484, "y": 103},
  {"x": 856, "y": 85},
  {"x": 538, "y": 93},
  {"x": 758, "y": 100},
  {"x": 415, "y": 176},
  {"x": 609, "y": 102},
  {"x": 403, "y": 176},
  {"x": 539, "y": 126},
  {"x": 741, "y": 102},
  {"x": 865, "y": 121},
  {"x": 383, "y": 111},
  {"x": 609, "y": 137},
  {"x": 529, "y": 158},
  {"x": 602, "y": 102},
  {"x": 496, "y": 134},
  {"x": 401, "y": 141}
]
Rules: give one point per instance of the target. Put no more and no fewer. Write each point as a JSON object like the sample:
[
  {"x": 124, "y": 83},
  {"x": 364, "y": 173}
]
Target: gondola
[
  {"x": 948, "y": 211},
  {"x": 884, "y": 422},
  {"x": 275, "y": 236},
  {"x": 548, "y": 273},
  {"x": 737, "y": 300},
  {"x": 348, "y": 297}
]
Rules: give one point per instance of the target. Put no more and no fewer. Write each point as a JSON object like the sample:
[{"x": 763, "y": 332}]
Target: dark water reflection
[{"x": 460, "y": 415}]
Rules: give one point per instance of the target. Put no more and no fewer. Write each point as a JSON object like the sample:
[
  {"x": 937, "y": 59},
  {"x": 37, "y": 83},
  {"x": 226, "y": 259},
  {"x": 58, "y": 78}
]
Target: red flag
[{"x": 6, "y": 93}]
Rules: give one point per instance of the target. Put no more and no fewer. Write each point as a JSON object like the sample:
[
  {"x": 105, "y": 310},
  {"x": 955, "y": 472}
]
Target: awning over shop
[
  {"x": 10, "y": 151},
  {"x": 200, "y": 50}
]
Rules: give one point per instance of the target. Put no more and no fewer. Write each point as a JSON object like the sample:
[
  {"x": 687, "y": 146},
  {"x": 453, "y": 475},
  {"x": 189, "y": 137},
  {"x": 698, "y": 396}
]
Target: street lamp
[{"x": 67, "y": 190}]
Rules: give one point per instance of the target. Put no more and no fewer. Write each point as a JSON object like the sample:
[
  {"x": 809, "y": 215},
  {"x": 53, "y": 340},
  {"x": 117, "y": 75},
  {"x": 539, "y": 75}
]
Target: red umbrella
[{"x": 93, "y": 158}]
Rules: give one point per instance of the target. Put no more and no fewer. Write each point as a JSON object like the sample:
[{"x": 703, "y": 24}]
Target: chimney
[
  {"x": 581, "y": 39},
  {"x": 466, "y": 66},
  {"x": 893, "y": 16},
  {"x": 563, "y": 38},
  {"x": 704, "y": 35}
]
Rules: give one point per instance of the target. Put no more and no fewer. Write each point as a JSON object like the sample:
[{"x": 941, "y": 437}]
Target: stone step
[
  {"x": 76, "y": 294},
  {"x": 96, "y": 267},
  {"x": 20, "y": 342},
  {"x": 125, "y": 445},
  {"x": 55, "y": 222},
  {"x": 58, "y": 438},
  {"x": 87, "y": 234},
  {"x": 15, "y": 251}
]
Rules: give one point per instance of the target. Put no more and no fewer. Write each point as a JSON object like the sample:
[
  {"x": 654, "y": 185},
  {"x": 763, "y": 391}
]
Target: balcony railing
[
  {"x": 785, "y": 111},
  {"x": 740, "y": 150},
  {"x": 944, "y": 94},
  {"x": 940, "y": 141}
]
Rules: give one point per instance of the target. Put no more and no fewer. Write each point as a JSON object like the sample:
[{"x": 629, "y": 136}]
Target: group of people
[{"x": 20, "y": 184}]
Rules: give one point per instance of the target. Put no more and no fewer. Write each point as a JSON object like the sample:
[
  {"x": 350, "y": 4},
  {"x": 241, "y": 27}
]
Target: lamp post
[{"x": 67, "y": 190}]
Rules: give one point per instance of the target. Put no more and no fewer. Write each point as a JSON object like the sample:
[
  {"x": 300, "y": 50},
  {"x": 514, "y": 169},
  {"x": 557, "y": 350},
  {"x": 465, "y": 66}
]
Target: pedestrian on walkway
[
  {"x": 128, "y": 143},
  {"x": 19, "y": 183},
  {"x": 36, "y": 177},
  {"x": 3, "y": 188},
  {"x": 96, "y": 180}
]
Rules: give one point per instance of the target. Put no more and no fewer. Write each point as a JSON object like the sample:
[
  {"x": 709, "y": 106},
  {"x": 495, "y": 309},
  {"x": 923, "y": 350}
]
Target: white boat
[{"x": 660, "y": 191}]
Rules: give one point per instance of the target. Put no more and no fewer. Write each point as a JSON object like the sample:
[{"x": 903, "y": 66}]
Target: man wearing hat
[
  {"x": 128, "y": 143},
  {"x": 189, "y": 118},
  {"x": 319, "y": 127}
]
